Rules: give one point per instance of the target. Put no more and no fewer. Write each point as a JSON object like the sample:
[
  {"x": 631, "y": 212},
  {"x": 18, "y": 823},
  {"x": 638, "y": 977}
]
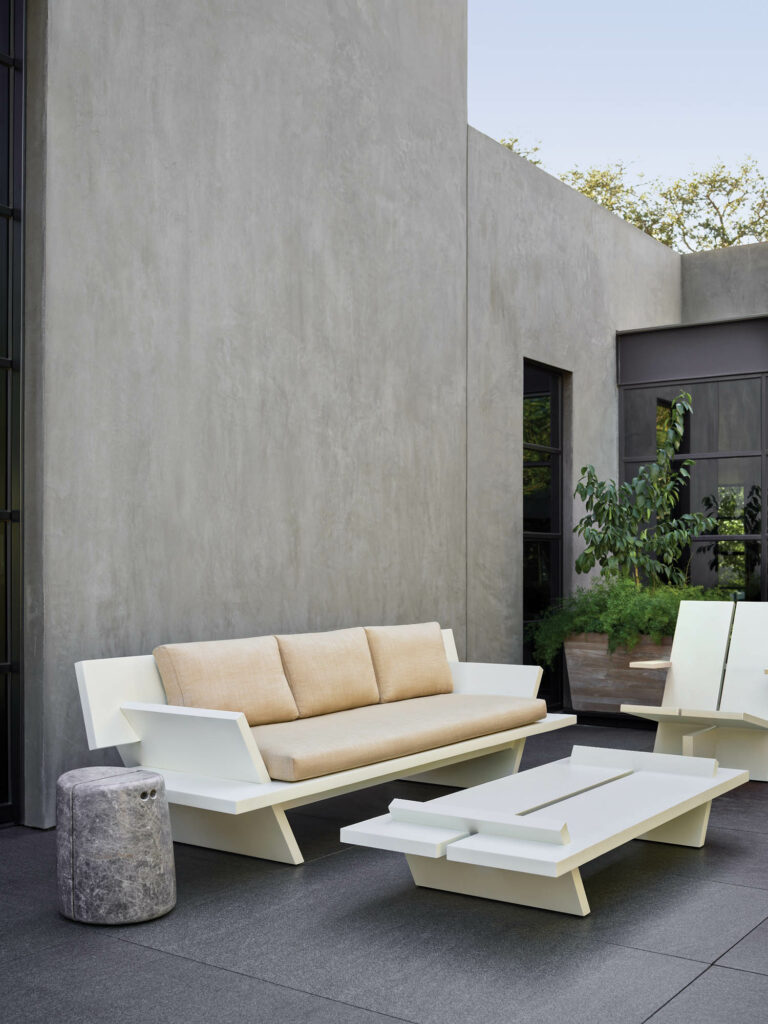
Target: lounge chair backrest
[
  {"x": 746, "y": 685},
  {"x": 698, "y": 654}
]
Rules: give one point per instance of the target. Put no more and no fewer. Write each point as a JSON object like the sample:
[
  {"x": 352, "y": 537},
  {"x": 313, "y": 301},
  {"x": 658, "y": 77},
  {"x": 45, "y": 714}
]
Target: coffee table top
[{"x": 551, "y": 819}]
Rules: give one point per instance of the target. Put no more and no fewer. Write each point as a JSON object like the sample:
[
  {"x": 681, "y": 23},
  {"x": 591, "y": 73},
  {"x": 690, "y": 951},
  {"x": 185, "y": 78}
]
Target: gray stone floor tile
[
  {"x": 646, "y": 908},
  {"x": 745, "y": 808},
  {"x": 367, "y": 803},
  {"x": 27, "y": 857},
  {"x": 351, "y": 930},
  {"x": 731, "y": 856},
  {"x": 720, "y": 996},
  {"x": 99, "y": 978},
  {"x": 554, "y": 745},
  {"x": 751, "y": 954},
  {"x": 354, "y": 928},
  {"x": 30, "y": 923}
]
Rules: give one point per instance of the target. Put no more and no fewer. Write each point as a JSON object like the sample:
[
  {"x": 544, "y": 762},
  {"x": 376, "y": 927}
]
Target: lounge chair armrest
[
  {"x": 650, "y": 664},
  {"x": 200, "y": 741},
  {"x": 497, "y": 680}
]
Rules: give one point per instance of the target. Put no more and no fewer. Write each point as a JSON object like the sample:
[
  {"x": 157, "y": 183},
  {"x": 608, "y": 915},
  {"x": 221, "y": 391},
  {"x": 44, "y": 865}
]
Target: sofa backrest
[{"x": 104, "y": 684}]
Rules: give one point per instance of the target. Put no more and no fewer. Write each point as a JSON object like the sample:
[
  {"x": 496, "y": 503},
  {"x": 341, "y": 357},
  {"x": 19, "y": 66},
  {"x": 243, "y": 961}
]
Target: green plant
[
  {"x": 616, "y": 607},
  {"x": 630, "y": 530}
]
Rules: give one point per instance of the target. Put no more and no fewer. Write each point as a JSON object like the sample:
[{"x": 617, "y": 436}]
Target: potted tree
[{"x": 634, "y": 534}]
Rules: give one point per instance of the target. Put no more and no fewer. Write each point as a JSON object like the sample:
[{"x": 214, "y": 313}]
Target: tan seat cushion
[
  {"x": 409, "y": 661},
  {"x": 348, "y": 739},
  {"x": 228, "y": 675},
  {"x": 329, "y": 671}
]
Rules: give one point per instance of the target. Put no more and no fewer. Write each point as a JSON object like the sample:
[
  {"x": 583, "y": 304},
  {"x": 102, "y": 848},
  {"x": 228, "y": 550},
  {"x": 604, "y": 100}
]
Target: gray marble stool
[{"x": 114, "y": 849}]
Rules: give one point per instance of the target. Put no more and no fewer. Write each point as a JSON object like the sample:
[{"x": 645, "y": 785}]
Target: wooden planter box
[{"x": 601, "y": 680}]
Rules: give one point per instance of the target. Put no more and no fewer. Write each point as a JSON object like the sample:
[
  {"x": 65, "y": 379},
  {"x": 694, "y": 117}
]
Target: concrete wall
[
  {"x": 552, "y": 277},
  {"x": 246, "y": 330},
  {"x": 725, "y": 283}
]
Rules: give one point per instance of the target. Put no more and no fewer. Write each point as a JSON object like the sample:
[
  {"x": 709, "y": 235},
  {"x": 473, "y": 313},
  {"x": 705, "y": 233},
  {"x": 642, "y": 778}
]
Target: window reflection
[{"x": 732, "y": 564}]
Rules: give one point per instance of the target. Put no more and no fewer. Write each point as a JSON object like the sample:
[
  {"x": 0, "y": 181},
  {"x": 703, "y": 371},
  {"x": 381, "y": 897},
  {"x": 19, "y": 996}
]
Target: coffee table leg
[
  {"x": 688, "y": 829},
  {"x": 564, "y": 894}
]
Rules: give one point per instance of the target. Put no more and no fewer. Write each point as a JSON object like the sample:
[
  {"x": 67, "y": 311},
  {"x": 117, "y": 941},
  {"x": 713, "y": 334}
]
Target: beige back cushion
[
  {"x": 329, "y": 671},
  {"x": 228, "y": 675},
  {"x": 409, "y": 661}
]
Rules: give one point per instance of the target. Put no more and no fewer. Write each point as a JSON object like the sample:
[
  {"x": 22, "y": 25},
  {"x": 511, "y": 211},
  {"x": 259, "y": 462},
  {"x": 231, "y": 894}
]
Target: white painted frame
[
  {"x": 219, "y": 789},
  {"x": 715, "y": 701}
]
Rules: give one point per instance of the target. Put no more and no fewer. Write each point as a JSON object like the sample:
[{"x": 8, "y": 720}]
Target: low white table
[{"x": 522, "y": 839}]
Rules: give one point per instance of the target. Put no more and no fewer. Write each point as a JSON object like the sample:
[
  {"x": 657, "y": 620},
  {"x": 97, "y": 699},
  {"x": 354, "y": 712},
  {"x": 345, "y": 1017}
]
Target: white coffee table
[{"x": 522, "y": 839}]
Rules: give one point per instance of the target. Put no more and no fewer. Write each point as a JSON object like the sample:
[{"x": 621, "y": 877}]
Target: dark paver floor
[{"x": 675, "y": 934}]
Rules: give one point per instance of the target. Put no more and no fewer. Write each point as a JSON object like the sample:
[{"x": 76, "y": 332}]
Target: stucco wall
[
  {"x": 552, "y": 277},
  {"x": 246, "y": 386},
  {"x": 725, "y": 283}
]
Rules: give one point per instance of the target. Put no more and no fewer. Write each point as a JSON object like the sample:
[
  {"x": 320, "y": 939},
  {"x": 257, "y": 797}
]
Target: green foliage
[
  {"x": 709, "y": 209},
  {"x": 531, "y": 153},
  {"x": 609, "y": 187},
  {"x": 630, "y": 530},
  {"x": 713, "y": 209},
  {"x": 616, "y": 607}
]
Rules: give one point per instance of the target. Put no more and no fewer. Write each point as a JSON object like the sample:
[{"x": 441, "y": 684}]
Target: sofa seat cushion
[
  {"x": 409, "y": 661},
  {"x": 228, "y": 675},
  {"x": 329, "y": 671},
  {"x": 330, "y": 743}
]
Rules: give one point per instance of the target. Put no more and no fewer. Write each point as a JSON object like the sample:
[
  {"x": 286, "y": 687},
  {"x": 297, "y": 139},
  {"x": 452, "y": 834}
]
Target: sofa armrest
[
  {"x": 650, "y": 664},
  {"x": 196, "y": 740},
  {"x": 497, "y": 680}
]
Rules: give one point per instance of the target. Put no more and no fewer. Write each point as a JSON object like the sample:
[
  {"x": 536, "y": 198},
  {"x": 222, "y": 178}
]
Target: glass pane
[
  {"x": 726, "y": 417},
  {"x": 537, "y": 499},
  {"x": 539, "y": 577},
  {"x": 738, "y": 415},
  {"x": 728, "y": 489},
  {"x": 5, "y": 715},
  {"x": 541, "y": 499},
  {"x": 531, "y": 455},
  {"x": 733, "y": 564},
  {"x": 643, "y": 416},
  {"x": 540, "y": 407},
  {"x": 5, "y": 115},
  {"x": 4, "y": 296},
  {"x": 4, "y": 496},
  {"x": 5, "y": 27}
]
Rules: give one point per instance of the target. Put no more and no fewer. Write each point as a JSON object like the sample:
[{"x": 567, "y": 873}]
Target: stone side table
[{"x": 114, "y": 850}]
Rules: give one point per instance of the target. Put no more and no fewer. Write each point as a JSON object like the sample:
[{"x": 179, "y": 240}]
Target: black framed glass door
[
  {"x": 542, "y": 507},
  {"x": 11, "y": 196}
]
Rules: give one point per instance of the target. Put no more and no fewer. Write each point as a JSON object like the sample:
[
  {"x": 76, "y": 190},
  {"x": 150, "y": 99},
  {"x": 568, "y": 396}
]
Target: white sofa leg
[
  {"x": 264, "y": 833},
  {"x": 477, "y": 770},
  {"x": 688, "y": 830},
  {"x": 564, "y": 894}
]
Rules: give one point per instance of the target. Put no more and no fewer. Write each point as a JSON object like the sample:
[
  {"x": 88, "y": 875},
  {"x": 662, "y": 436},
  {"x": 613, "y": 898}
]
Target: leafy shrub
[{"x": 617, "y": 607}]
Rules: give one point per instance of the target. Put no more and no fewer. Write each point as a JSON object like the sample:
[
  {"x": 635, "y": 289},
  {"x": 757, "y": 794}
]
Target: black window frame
[{"x": 552, "y": 682}]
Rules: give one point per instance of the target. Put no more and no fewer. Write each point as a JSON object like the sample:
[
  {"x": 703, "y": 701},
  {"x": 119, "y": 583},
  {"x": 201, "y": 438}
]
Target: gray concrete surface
[
  {"x": 256, "y": 234},
  {"x": 725, "y": 283},
  {"x": 247, "y": 403},
  {"x": 552, "y": 277},
  {"x": 675, "y": 934}
]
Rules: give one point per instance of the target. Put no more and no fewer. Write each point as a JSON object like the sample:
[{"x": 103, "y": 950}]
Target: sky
[{"x": 666, "y": 86}]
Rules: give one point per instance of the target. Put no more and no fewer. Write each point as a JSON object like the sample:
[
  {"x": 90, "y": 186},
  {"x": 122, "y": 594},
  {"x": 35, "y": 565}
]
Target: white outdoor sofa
[
  {"x": 715, "y": 701},
  {"x": 218, "y": 785}
]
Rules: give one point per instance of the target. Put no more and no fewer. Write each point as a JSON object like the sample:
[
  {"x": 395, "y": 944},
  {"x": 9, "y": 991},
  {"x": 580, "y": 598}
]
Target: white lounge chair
[{"x": 715, "y": 701}]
